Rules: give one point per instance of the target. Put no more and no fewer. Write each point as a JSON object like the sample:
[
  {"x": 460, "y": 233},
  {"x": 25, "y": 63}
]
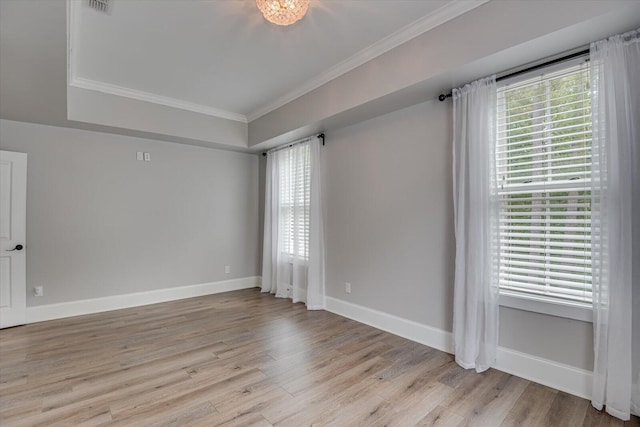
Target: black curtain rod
[
  {"x": 442, "y": 97},
  {"x": 291, "y": 144}
]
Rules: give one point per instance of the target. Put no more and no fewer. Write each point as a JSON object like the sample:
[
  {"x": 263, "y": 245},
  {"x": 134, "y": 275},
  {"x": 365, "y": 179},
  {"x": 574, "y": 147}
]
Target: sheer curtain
[
  {"x": 475, "y": 310},
  {"x": 293, "y": 250},
  {"x": 615, "y": 92}
]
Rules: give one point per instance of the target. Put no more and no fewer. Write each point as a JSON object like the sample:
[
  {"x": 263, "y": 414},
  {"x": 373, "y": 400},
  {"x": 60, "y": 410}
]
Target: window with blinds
[
  {"x": 295, "y": 200},
  {"x": 543, "y": 164}
]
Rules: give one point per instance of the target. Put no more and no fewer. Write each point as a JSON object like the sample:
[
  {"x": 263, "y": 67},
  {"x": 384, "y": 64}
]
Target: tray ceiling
[{"x": 222, "y": 58}]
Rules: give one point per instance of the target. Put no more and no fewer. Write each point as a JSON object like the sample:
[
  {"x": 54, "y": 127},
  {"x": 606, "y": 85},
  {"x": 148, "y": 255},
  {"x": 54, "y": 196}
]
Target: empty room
[{"x": 320, "y": 212}]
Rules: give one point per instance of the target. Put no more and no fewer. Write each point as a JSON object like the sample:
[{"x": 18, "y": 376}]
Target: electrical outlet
[
  {"x": 347, "y": 287},
  {"x": 38, "y": 291},
  {"x": 227, "y": 269},
  {"x": 147, "y": 157}
]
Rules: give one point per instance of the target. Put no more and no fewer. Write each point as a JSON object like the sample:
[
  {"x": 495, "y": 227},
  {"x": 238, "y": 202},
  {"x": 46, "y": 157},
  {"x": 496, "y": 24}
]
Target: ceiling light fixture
[{"x": 283, "y": 12}]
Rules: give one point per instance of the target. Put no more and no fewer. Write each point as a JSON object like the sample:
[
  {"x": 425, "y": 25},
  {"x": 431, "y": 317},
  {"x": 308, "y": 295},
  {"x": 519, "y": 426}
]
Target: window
[
  {"x": 543, "y": 164},
  {"x": 295, "y": 200}
]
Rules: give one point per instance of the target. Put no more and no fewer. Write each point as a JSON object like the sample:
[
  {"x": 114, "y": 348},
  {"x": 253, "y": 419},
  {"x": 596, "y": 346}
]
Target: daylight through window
[
  {"x": 543, "y": 164},
  {"x": 295, "y": 200}
]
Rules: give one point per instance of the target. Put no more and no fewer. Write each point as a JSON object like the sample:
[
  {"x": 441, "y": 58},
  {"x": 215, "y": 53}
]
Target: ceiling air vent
[{"x": 100, "y": 5}]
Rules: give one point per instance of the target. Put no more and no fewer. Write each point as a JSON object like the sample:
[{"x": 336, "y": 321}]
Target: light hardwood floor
[{"x": 246, "y": 358}]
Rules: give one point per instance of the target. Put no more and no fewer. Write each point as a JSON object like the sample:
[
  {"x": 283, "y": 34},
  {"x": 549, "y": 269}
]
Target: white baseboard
[
  {"x": 41, "y": 313},
  {"x": 414, "y": 331},
  {"x": 547, "y": 372},
  {"x": 543, "y": 371}
]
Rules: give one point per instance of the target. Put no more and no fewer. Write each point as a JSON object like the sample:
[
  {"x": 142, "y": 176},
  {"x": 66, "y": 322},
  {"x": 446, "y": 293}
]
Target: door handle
[{"x": 17, "y": 248}]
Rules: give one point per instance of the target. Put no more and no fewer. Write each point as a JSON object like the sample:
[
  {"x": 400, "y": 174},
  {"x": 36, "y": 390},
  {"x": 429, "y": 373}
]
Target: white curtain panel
[
  {"x": 615, "y": 92},
  {"x": 271, "y": 226},
  {"x": 475, "y": 200},
  {"x": 315, "y": 277},
  {"x": 293, "y": 249}
]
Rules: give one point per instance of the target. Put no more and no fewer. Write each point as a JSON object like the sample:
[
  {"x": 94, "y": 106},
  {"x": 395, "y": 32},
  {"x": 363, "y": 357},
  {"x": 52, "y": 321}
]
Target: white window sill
[{"x": 568, "y": 310}]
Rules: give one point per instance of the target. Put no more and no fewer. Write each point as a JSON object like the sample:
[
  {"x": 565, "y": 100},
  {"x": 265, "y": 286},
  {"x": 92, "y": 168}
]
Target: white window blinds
[
  {"x": 295, "y": 199},
  {"x": 543, "y": 164}
]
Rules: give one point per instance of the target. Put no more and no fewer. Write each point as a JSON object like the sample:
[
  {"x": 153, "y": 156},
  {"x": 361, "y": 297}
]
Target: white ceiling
[{"x": 223, "y": 56}]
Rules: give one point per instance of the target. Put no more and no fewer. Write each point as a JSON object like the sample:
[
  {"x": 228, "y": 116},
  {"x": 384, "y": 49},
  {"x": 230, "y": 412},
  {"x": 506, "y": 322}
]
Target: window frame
[
  {"x": 287, "y": 210},
  {"x": 576, "y": 310}
]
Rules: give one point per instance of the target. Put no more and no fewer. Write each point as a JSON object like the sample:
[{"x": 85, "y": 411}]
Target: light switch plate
[{"x": 139, "y": 155}]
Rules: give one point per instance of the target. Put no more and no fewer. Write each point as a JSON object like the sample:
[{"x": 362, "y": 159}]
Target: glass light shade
[{"x": 283, "y": 12}]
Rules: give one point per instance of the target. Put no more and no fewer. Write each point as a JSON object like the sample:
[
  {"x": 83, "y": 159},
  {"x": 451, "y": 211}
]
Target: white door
[{"x": 13, "y": 259}]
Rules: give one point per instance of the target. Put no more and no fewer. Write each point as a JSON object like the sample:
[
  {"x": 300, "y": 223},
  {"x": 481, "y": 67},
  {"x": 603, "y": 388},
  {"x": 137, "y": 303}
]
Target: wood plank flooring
[{"x": 248, "y": 359}]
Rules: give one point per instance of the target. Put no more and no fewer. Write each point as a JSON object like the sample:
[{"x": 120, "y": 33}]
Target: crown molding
[
  {"x": 438, "y": 17},
  {"x": 111, "y": 89},
  {"x": 126, "y": 92}
]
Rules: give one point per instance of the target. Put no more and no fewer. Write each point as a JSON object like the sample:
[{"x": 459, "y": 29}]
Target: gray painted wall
[
  {"x": 389, "y": 230},
  {"x": 101, "y": 223}
]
